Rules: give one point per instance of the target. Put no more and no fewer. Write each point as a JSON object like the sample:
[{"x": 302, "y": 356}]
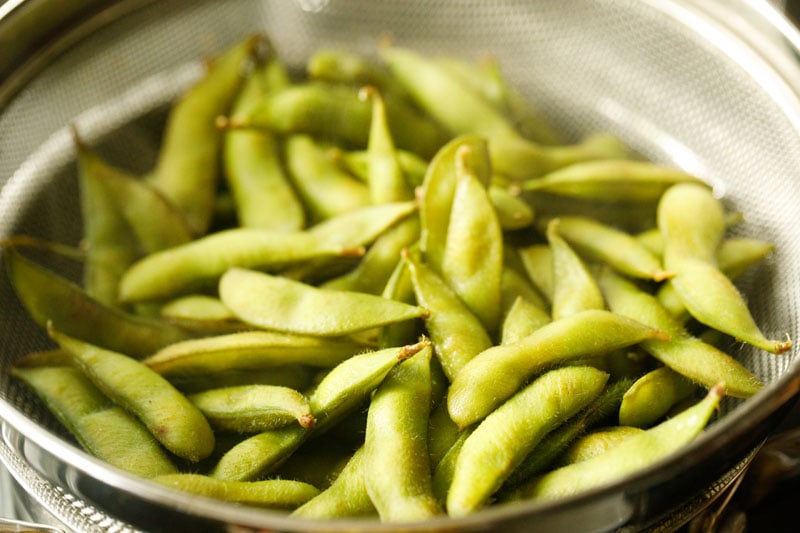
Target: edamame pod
[
  {"x": 199, "y": 264},
  {"x": 357, "y": 163},
  {"x": 537, "y": 260},
  {"x": 443, "y": 470},
  {"x": 690, "y": 237},
  {"x": 630, "y": 456},
  {"x": 397, "y": 468},
  {"x": 346, "y": 497},
  {"x": 574, "y": 288},
  {"x": 335, "y": 113},
  {"x": 687, "y": 355},
  {"x": 376, "y": 267},
  {"x": 49, "y": 297},
  {"x": 611, "y": 180},
  {"x": 272, "y": 493},
  {"x": 513, "y": 212},
  {"x": 341, "y": 391},
  {"x": 462, "y": 111},
  {"x": 103, "y": 429},
  {"x": 187, "y": 167},
  {"x": 326, "y": 190},
  {"x": 522, "y": 319},
  {"x": 652, "y": 396},
  {"x": 472, "y": 262},
  {"x": 252, "y": 408},
  {"x": 282, "y": 304},
  {"x": 385, "y": 178},
  {"x": 601, "y": 242},
  {"x": 506, "y": 436},
  {"x": 249, "y": 350},
  {"x": 108, "y": 240},
  {"x": 168, "y": 414},
  {"x": 253, "y": 169},
  {"x": 597, "y": 442},
  {"x": 340, "y": 66},
  {"x": 438, "y": 189},
  {"x": 457, "y": 334},
  {"x": 543, "y": 456},
  {"x": 400, "y": 287},
  {"x": 498, "y": 372},
  {"x": 706, "y": 292}
]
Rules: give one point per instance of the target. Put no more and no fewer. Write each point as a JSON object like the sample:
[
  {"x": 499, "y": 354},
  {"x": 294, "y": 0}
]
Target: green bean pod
[
  {"x": 271, "y": 493},
  {"x": 346, "y": 497},
  {"x": 281, "y": 304},
  {"x": 397, "y": 467},
  {"x": 652, "y": 396},
  {"x": 249, "y": 350},
  {"x": 457, "y": 334},
  {"x": 498, "y": 372},
  {"x": 49, "y": 297},
  {"x": 168, "y": 414},
  {"x": 252, "y": 408},
  {"x": 326, "y": 190},
  {"x": 503, "y": 439},
  {"x": 611, "y": 180},
  {"x": 103, "y": 429},
  {"x": 472, "y": 263},
  {"x": 574, "y": 288},
  {"x": 187, "y": 167},
  {"x": 632, "y": 455},
  {"x": 687, "y": 355},
  {"x": 253, "y": 170}
]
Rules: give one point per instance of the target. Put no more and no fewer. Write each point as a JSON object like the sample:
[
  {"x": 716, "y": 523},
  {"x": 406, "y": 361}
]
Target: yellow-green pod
[
  {"x": 652, "y": 396},
  {"x": 574, "y": 288},
  {"x": 472, "y": 263},
  {"x": 167, "y": 413},
  {"x": 385, "y": 177},
  {"x": 611, "y": 180},
  {"x": 253, "y": 169},
  {"x": 271, "y": 493},
  {"x": 397, "y": 469},
  {"x": 346, "y": 497},
  {"x": 513, "y": 212},
  {"x": 102, "y": 428},
  {"x": 507, "y": 435},
  {"x": 326, "y": 190},
  {"x": 49, "y": 297},
  {"x": 596, "y": 442},
  {"x": 281, "y": 304},
  {"x": 634, "y": 454},
  {"x": 187, "y": 167},
  {"x": 497, "y": 373},
  {"x": 538, "y": 262}
]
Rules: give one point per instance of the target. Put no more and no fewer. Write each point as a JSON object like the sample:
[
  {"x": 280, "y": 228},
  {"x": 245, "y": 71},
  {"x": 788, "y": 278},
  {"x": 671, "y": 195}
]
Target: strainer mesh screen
[{"x": 588, "y": 65}]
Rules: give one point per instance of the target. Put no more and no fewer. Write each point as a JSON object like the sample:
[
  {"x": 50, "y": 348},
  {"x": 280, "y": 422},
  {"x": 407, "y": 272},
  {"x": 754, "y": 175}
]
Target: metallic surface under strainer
[{"x": 686, "y": 82}]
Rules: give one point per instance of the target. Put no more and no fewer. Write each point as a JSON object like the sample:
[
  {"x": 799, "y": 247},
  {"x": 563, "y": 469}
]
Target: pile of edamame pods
[{"x": 385, "y": 287}]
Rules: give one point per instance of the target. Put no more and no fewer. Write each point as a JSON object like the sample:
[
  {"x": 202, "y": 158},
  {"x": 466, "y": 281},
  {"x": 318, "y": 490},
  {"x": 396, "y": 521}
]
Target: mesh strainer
[{"x": 690, "y": 83}]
